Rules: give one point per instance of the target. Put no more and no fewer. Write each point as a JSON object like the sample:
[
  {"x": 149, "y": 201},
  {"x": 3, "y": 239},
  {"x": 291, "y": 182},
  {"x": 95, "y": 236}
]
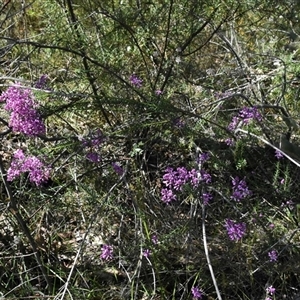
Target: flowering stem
[
  {"x": 14, "y": 210},
  {"x": 207, "y": 254}
]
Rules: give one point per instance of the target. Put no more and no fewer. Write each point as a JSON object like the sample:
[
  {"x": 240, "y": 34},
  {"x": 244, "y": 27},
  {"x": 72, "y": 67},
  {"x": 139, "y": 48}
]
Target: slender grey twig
[{"x": 207, "y": 254}]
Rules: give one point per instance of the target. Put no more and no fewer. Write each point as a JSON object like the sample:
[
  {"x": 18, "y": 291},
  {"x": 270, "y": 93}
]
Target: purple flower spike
[
  {"x": 206, "y": 197},
  {"x": 278, "y": 154},
  {"x": 197, "y": 294},
  {"x": 235, "y": 230},
  {"x": 136, "y": 81},
  {"x": 107, "y": 252},
  {"x": 273, "y": 255},
  {"x": 240, "y": 189},
  {"x": 270, "y": 290},
  {"x": 167, "y": 196},
  {"x": 146, "y": 253}
]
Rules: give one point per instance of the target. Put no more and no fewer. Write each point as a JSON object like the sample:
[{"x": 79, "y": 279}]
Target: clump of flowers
[
  {"x": 278, "y": 154},
  {"x": 37, "y": 170},
  {"x": 175, "y": 179},
  {"x": 167, "y": 195},
  {"x": 270, "y": 290},
  {"x": 273, "y": 255},
  {"x": 136, "y": 81},
  {"x": 196, "y": 292},
  {"x": 240, "y": 189},
  {"x": 106, "y": 252},
  {"x": 235, "y": 230},
  {"x": 24, "y": 116},
  {"x": 245, "y": 115},
  {"x": 249, "y": 113}
]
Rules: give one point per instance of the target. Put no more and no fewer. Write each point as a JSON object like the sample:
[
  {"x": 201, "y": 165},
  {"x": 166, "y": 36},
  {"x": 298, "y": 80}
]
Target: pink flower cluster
[
  {"x": 24, "y": 117},
  {"x": 38, "y": 172}
]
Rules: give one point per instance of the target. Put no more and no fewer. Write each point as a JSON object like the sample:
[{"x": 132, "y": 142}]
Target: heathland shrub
[{"x": 142, "y": 150}]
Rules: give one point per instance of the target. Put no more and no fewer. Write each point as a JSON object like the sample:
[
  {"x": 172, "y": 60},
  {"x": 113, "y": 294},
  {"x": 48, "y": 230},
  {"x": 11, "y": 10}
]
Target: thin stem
[{"x": 207, "y": 254}]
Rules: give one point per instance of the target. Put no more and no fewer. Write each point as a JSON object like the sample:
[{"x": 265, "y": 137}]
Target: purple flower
[
  {"x": 178, "y": 123},
  {"x": 175, "y": 179},
  {"x": 169, "y": 176},
  {"x": 136, "y": 81},
  {"x": 290, "y": 204},
  {"x": 196, "y": 292},
  {"x": 235, "y": 231},
  {"x": 146, "y": 253},
  {"x": 158, "y": 92},
  {"x": 240, "y": 189},
  {"x": 94, "y": 140},
  {"x": 107, "y": 252},
  {"x": 38, "y": 171},
  {"x": 232, "y": 126},
  {"x": 229, "y": 142},
  {"x": 154, "y": 239},
  {"x": 245, "y": 115},
  {"x": 203, "y": 157},
  {"x": 271, "y": 290},
  {"x": 93, "y": 157},
  {"x": 118, "y": 169},
  {"x": 273, "y": 255},
  {"x": 278, "y": 154},
  {"x": 19, "y": 154},
  {"x": 206, "y": 197},
  {"x": 41, "y": 83},
  {"x": 24, "y": 117},
  {"x": 195, "y": 177},
  {"x": 205, "y": 176},
  {"x": 167, "y": 196},
  {"x": 248, "y": 113}
]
